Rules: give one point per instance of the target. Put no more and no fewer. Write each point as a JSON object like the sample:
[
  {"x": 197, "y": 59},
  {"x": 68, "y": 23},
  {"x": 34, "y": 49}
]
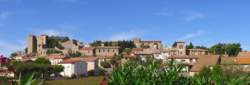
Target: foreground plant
[
  {"x": 29, "y": 80},
  {"x": 222, "y": 75},
  {"x": 148, "y": 72}
]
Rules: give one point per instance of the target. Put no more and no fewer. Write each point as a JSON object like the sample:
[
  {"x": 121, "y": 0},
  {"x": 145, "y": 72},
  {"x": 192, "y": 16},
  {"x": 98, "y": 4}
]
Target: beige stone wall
[
  {"x": 197, "y": 52},
  {"x": 106, "y": 51},
  {"x": 32, "y": 44},
  {"x": 87, "y": 52}
]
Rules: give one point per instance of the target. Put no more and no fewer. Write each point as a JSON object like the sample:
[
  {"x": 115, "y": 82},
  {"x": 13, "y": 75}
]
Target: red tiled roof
[
  {"x": 105, "y": 57},
  {"x": 244, "y": 54},
  {"x": 90, "y": 59},
  {"x": 72, "y": 60},
  {"x": 205, "y": 60},
  {"x": 56, "y": 56},
  {"x": 128, "y": 56}
]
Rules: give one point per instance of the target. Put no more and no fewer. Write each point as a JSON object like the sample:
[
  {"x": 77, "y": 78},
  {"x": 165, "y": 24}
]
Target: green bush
[
  {"x": 105, "y": 64},
  {"x": 149, "y": 72}
]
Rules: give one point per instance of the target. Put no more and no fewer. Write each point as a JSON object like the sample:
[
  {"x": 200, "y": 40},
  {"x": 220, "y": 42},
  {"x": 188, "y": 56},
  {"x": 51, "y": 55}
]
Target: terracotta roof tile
[
  {"x": 205, "y": 60},
  {"x": 72, "y": 60},
  {"x": 56, "y": 56}
]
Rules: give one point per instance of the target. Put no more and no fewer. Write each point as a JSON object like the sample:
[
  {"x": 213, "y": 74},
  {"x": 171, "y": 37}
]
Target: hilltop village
[
  {"x": 78, "y": 58},
  {"x": 68, "y": 53}
]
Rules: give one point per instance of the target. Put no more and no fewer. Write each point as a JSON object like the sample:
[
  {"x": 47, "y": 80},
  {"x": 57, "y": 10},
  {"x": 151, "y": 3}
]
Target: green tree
[
  {"x": 218, "y": 49},
  {"x": 57, "y": 69},
  {"x": 96, "y": 43},
  {"x": 42, "y": 61},
  {"x": 76, "y": 54},
  {"x": 54, "y": 41},
  {"x": 190, "y": 46},
  {"x": 201, "y": 47},
  {"x": 233, "y": 49}
]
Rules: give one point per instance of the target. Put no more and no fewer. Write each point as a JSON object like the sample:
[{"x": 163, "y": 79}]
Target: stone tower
[
  {"x": 32, "y": 44},
  {"x": 41, "y": 43},
  {"x": 181, "y": 46},
  {"x": 137, "y": 42}
]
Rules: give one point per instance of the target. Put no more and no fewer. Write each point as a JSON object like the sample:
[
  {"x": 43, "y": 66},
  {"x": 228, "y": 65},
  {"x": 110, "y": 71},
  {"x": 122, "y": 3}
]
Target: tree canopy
[
  {"x": 54, "y": 41},
  {"x": 231, "y": 49}
]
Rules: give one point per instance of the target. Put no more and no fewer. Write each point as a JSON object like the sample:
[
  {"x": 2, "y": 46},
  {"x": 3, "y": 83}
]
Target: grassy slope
[{"x": 81, "y": 81}]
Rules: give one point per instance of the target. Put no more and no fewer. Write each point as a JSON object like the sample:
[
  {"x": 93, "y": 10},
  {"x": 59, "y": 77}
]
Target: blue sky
[{"x": 203, "y": 22}]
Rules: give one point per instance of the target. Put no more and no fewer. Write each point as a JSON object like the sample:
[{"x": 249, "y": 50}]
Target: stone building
[
  {"x": 147, "y": 44},
  {"x": 32, "y": 44},
  {"x": 196, "y": 51},
  {"x": 71, "y": 45},
  {"x": 41, "y": 44},
  {"x": 37, "y": 45},
  {"x": 178, "y": 49},
  {"x": 106, "y": 51},
  {"x": 87, "y": 51}
]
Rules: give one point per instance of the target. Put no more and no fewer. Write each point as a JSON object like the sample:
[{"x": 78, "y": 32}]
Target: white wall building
[
  {"x": 56, "y": 58},
  {"x": 92, "y": 63},
  {"x": 74, "y": 66}
]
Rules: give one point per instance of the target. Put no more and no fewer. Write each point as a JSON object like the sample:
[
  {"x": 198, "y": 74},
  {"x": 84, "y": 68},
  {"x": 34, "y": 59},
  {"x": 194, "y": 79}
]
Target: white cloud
[
  {"x": 192, "y": 15},
  {"x": 192, "y": 35},
  {"x": 127, "y": 35}
]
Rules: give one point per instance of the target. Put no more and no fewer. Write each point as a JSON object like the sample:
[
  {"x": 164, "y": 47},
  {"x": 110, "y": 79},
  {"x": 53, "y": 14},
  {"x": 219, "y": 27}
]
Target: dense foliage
[
  {"x": 40, "y": 66},
  {"x": 148, "y": 72},
  {"x": 231, "y": 49},
  {"x": 54, "y": 41},
  {"x": 191, "y": 46},
  {"x": 105, "y": 64},
  {"x": 76, "y": 54},
  {"x": 154, "y": 72},
  {"x": 222, "y": 75}
]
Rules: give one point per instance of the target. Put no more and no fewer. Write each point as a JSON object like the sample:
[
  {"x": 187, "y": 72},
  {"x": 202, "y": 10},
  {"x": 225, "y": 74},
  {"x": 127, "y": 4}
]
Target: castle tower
[
  {"x": 181, "y": 46},
  {"x": 137, "y": 42},
  {"x": 41, "y": 43},
  {"x": 32, "y": 44}
]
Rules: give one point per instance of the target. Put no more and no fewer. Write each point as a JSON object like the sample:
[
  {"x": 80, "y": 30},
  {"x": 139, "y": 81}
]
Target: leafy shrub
[
  {"x": 105, "y": 64},
  {"x": 149, "y": 72}
]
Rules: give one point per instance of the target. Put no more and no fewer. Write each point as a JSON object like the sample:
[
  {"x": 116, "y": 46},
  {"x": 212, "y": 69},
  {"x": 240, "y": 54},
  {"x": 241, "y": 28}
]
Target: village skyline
[{"x": 205, "y": 22}]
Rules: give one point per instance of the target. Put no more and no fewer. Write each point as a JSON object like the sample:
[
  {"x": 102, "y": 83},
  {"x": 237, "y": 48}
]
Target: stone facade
[
  {"x": 32, "y": 44},
  {"x": 87, "y": 51},
  {"x": 197, "y": 52},
  {"x": 41, "y": 44},
  {"x": 106, "y": 51},
  {"x": 37, "y": 45},
  {"x": 147, "y": 44},
  {"x": 178, "y": 49}
]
